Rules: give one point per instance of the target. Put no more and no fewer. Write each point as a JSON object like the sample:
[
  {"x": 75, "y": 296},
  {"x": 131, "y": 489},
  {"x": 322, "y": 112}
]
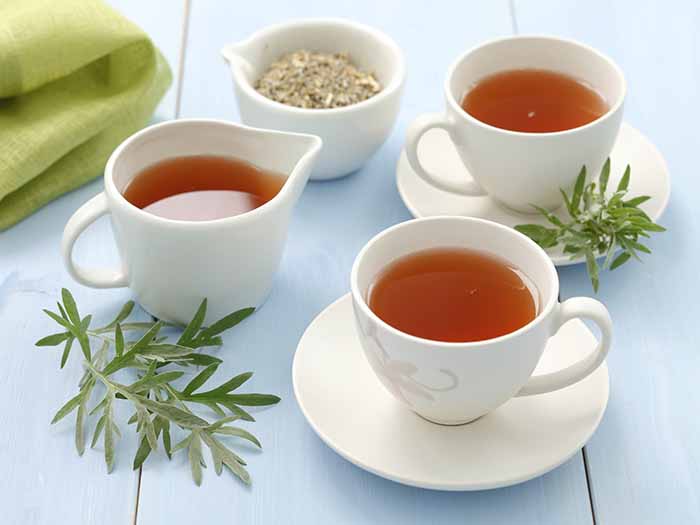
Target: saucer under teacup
[
  {"x": 351, "y": 411},
  {"x": 649, "y": 177}
]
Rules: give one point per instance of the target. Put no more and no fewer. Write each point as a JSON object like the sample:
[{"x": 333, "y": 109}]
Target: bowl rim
[{"x": 395, "y": 83}]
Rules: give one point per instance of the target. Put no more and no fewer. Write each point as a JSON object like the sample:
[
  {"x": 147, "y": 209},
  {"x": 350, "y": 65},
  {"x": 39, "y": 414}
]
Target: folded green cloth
[{"x": 76, "y": 78}]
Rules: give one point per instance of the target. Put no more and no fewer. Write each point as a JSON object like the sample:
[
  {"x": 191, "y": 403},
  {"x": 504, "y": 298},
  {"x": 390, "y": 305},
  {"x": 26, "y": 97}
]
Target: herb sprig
[
  {"x": 158, "y": 406},
  {"x": 599, "y": 225}
]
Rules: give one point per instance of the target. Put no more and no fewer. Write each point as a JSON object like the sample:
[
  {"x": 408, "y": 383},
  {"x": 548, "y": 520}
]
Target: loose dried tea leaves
[{"x": 312, "y": 80}]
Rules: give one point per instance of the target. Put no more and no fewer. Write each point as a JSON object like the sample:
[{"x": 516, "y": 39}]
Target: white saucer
[
  {"x": 649, "y": 177},
  {"x": 351, "y": 411}
]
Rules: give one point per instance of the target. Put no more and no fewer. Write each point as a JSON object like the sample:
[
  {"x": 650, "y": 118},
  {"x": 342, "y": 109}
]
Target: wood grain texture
[
  {"x": 644, "y": 460},
  {"x": 44, "y": 481},
  {"x": 297, "y": 479}
]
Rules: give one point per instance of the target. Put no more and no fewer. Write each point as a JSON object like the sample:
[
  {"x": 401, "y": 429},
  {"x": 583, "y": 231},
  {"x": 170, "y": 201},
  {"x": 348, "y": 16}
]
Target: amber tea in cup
[
  {"x": 454, "y": 295},
  {"x": 202, "y": 188},
  {"x": 533, "y": 101}
]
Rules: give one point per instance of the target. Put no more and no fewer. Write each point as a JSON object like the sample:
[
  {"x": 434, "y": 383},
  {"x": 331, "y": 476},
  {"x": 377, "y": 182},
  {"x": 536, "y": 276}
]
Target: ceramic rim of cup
[
  {"x": 611, "y": 110},
  {"x": 548, "y": 302}
]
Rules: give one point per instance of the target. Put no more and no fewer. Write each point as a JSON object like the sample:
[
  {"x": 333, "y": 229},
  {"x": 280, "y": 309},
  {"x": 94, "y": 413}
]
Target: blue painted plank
[
  {"x": 297, "y": 479},
  {"x": 44, "y": 481},
  {"x": 162, "y": 21},
  {"x": 644, "y": 459}
]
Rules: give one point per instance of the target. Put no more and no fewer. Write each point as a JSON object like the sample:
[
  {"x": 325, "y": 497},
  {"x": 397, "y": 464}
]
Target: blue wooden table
[{"x": 641, "y": 467}]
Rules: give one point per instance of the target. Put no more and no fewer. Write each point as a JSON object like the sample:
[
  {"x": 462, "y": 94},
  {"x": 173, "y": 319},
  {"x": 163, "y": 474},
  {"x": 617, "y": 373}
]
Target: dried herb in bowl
[{"x": 314, "y": 80}]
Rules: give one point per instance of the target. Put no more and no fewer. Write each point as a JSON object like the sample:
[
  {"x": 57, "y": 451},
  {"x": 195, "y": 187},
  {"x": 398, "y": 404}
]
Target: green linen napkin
[{"x": 76, "y": 78}]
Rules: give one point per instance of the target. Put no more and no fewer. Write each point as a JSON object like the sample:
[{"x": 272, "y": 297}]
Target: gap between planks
[
  {"x": 184, "y": 35},
  {"x": 587, "y": 472}
]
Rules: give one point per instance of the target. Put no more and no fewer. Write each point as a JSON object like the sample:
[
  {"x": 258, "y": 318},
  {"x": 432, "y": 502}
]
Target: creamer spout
[
  {"x": 236, "y": 56},
  {"x": 307, "y": 148}
]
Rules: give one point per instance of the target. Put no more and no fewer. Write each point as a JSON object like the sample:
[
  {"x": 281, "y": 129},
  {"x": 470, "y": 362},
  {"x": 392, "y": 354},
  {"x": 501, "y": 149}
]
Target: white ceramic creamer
[{"x": 171, "y": 265}]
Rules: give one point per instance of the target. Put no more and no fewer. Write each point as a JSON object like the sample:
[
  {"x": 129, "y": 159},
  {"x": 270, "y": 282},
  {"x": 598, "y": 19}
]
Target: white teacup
[
  {"x": 516, "y": 168},
  {"x": 454, "y": 383},
  {"x": 171, "y": 265}
]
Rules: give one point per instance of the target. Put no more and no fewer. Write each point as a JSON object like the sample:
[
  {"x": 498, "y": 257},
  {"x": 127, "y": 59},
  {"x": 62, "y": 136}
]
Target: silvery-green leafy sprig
[
  {"x": 159, "y": 408},
  {"x": 599, "y": 225}
]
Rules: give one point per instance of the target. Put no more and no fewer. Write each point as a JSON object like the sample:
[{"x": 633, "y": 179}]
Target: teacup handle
[
  {"x": 81, "y": 219},
  {"x": 416, "y": 130},
  {"x": 572, "y": 309}
]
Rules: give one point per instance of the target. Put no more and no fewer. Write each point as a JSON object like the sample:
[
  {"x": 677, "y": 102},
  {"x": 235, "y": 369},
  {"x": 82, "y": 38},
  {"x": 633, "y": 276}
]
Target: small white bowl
[{"x": 350, "y": 134}]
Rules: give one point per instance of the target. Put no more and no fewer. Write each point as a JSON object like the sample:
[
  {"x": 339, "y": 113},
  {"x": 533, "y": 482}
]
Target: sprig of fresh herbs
[
  {"x": 159, "y": 407},
  {"x": 599, "y": 225}
]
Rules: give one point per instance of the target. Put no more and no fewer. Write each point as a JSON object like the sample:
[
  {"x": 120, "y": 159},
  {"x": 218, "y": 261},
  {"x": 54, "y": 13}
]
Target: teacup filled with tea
[
  {"x": 526, "y": 114},
  {"x": 199, "y": 210},
  {"x": 466, "y": 307}
]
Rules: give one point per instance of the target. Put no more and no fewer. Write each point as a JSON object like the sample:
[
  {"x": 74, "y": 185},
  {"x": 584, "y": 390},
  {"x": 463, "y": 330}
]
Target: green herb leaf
[
  {"x": 66, "y": 409},
  {"x": 253, "y": 400},
  {"x": 82, "y": 336},
  {"x": 142, "y": 453},
  {"x": 598, "y": 225},
  {"x": 150, "y": 431},
  {"x": 118, "y": 340},
  {"x": 221, "y": 422},
  {"x": 213, "y": 406},
  {"x": 200, "y": 359},
  {"x": 194, "y": 325},
  {"x": 182, "y": 444},
  {"x": 148, "y": 382},
  {"x": 238, "y": 432},
  {"x": 165, "y": 431},
  {"x": 158, "y": 407},
  {"x": 545, "y": 237},
  {"x": 60, "y": 320},
  {"x": 80, "y": 418},
  {"x": 62, "y": 311},
  {"x": 227, "y": 457},
  {"x": 195, "y": 457},
  {"x": 66, "y": 352},
  {"x": 651, "y": 227},
  {"x": 53, "y": 339},
  {"x": 592, "y": 267},
  {"x": 200, "y": 378},
  {"x": 238, "y": 411},
  {"x": 109, "y": 435},
  {"x": 228, "y": 386},
  {"x": 174, "y": 414},
  {"x": 633, "y": 203},
  {"x": 620, "y": 260},
  {"x": 604, "y": 176},
  {"x": 625, "y": 180},
  {"x": 578, "y": 189},
  {"x": 98, "y": 430},
  {"x": 121, "y": 316},
  {"x": 225, "y": 323},
  {"x": 71, "y": 308},
  {"x": 165, "y": 352}
]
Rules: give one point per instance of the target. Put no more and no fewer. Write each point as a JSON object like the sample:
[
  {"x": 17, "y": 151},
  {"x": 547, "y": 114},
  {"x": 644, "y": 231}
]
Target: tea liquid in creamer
[
  {"x": 534, "y": 101},
  {"x": 202, "y": 188},
  {"x": 454, "y": 295}
]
